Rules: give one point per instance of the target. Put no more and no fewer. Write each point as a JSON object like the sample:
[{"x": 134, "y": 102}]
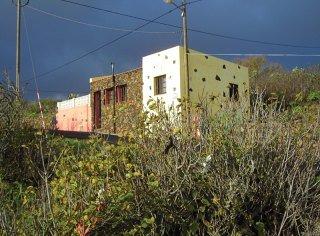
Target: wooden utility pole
[
  {"x": 186, "y": 57},
  {"x": 18, "y": 47},
  {"x": 183, "y": 9},
  {"x": 114, "y": 99}
]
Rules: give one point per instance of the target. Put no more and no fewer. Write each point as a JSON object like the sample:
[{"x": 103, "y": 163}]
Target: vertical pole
[
  {"x": 114, "y": 99},
  {"x": 18, "y": 47},
  {"x": 186, "y": 58}
]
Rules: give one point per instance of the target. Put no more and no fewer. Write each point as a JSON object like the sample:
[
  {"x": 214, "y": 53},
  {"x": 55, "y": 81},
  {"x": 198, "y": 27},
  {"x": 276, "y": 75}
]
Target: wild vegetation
[{"x": 255, "y": 173}]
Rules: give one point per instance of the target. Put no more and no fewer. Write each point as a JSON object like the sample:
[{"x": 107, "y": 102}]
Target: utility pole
[
  {"x": 186, "y": 57},
  {"x": 19, "y": 4},
  {"x": 114, "y": 99},
  {"x": 183, "y": 9},
  {"x": 18, "y": 47}
]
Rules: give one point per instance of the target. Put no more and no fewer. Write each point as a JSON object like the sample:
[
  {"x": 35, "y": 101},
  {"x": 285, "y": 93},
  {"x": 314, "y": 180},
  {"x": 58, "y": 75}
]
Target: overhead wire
[
  {"x": 258, "y": 54},
  {"x": 105, "y": 44},
  {"x": 99, "y": 26},
  {"x": 56, "y": 91},
  {"x": 194, "y": 30}
]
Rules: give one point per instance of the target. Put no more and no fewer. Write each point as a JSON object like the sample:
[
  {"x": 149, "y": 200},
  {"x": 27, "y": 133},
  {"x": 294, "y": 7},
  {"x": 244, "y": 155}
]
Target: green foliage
[
  {"x": 247, "y": 174},
  {"x": 314, "y": 96},
  {"x": 281, "y": 86}
]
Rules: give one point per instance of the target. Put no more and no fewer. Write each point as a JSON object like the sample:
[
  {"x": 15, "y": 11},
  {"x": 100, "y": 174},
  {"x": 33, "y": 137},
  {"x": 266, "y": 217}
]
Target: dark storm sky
[{"x": 55, "y": 41}]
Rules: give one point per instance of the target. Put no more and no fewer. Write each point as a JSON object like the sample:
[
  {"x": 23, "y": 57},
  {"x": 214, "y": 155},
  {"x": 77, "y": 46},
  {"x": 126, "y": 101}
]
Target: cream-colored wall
[
  {"x": 201, "y": 66},
  {"x": 202, "y": 74},
  {"x": 167, "y": 63}
]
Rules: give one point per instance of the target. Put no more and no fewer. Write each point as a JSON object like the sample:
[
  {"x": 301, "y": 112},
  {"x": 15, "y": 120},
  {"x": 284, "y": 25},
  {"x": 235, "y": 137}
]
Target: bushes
[
  {"x": 249, "y": 174},
  {"x": 291, "y": 87}
]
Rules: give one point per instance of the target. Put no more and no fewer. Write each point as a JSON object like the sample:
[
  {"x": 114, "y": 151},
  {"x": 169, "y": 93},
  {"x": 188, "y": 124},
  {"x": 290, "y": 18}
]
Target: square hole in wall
[
  {"x": 234, "y": 92},
  {"x": 224, "y": 67},
  {"x": 218, "y": 78},
  {"x": 160, "y": 84},
  {"x": 203, "y": 79},
  {"x": 206, "y": 57},
  {"x": 195, "y": 70}
]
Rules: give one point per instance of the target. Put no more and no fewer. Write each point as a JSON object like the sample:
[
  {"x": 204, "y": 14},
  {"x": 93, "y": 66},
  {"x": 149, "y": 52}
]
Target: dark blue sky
[{"x": 55, "y": 41}]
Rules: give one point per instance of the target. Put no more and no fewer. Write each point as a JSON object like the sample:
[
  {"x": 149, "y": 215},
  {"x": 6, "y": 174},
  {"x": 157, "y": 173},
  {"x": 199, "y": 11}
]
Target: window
[
  {"x": 121, "y": 93},
  {"x": 160, "y": 85},
  {"x": 108, "y": 96},
  {"x": 234, "y": 92}
]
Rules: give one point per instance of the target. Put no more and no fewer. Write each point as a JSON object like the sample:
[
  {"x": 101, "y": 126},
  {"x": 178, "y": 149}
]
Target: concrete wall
[
  {"x": 167, "y": 62},
  {"x": 74, "y": 114},
  {"x": 204, "y": 74},
  {"x": 204, "y": 86}
]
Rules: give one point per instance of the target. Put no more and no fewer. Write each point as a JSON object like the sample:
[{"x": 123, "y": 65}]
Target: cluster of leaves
[
  {"x": 247, "y": 174},
  {"x": 33, "y": 113},
  {"x": 251, "y": 173},
  {"x": 291, "y": 87}
]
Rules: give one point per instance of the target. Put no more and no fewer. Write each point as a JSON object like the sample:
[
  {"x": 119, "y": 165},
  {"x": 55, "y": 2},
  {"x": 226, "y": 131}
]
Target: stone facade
[{"x": 128, "y": 103}]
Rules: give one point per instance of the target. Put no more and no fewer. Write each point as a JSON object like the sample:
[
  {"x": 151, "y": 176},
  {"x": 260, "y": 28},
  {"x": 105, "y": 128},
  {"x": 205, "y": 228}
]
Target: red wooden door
[{"x": 97, "y": 109}]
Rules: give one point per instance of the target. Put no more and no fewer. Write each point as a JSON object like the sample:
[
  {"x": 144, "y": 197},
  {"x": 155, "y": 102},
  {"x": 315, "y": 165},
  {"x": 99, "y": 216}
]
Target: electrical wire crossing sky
[{"x": 71, "y": 41}]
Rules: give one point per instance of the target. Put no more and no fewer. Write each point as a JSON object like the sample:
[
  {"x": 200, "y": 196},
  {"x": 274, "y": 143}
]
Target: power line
[
  {"x": 258, "y": 54},
  {"x": 104, "y": 45},
  {"x": 97, "y": 26},
  {"x": 195, "y": 30},
  {"x": 57, "y": 91}
]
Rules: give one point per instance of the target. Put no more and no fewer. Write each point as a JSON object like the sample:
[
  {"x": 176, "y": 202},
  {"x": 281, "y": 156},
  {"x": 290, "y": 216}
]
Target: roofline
[{"x": 93, "y": 79}]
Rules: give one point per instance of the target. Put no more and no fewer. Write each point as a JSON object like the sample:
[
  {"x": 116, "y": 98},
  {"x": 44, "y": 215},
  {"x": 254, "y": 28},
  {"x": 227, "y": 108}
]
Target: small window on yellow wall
[
  {"x": 234, "y": 92},
  {"x": 160, "y": 85}
]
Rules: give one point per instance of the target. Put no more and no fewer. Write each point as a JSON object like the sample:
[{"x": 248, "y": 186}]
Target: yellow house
[{"x": 212, "y": 81}]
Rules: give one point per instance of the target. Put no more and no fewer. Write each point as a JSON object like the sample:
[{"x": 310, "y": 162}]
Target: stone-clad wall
[{"x": 126, "y": 112}]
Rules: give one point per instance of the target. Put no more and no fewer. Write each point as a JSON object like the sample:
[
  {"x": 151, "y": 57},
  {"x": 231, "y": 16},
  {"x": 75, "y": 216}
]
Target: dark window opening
[
  {"x": 203, "y": 79},
  {"x": 234, "y": 76},
  {"x": 107, "y": 96},
  {"x": 174, "y": 62},
  {"x": 160, "y": 85},
  {"x": 239, "y": 67},
  {"x": 206, "y": 57},
  {"x": 121, "y": 93},
  {"x": 224, "y": 67},
  {"x": 224, "y": 94},
  {"x": 218, "y": 78},
  {"x": 97, "y": 109},
  {"x": 190, "y": 89},
  {"x": 195, "y": 70},
  {"x": 234, "y": 92}
]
